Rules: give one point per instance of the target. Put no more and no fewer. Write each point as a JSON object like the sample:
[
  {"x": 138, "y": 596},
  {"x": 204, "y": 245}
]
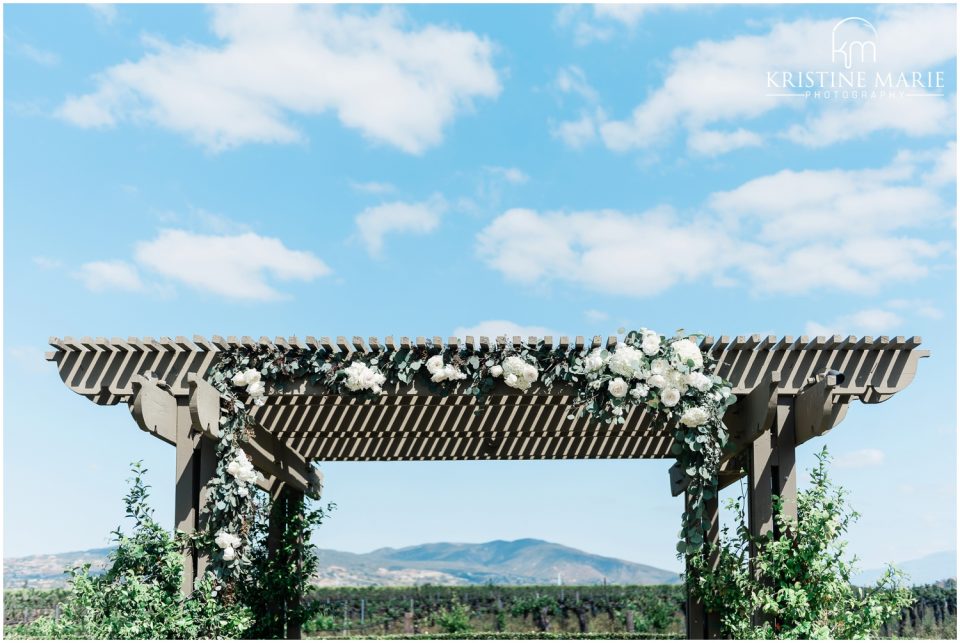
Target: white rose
[
  {"x": 256, "y": 389},
  {"x": 435, "y": 364},
  {"x": 594, "y": 361},
  {"x": 225, "y": 540},
  {"x": 617, "y": 387},
  {"x": 670, "y": 397},
  {"x": 686, "y": 351},
  {"x": 511, "y": 379},
  {"x": 659, "y": 366},
  {"x": 658, "y": 381},
  {"x": 229, "y": 553},
  {"x": 530, "y": 373},
  {"x": 252, "y": 376},
  {"x": 639, "y": 391},
  {"x": 677, "y": 380},
  {"x": 694, "y": 416},
  {"x": 242, "y": 492},
  {"x": 699, "y": 381},
  {"x": 651, "y": 343},
  {"x": 240, "y": 379},
  {"x": 496, "y": 370}
]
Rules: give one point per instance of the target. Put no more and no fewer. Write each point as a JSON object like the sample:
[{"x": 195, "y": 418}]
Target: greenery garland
[{"x": 669, "y": 376}]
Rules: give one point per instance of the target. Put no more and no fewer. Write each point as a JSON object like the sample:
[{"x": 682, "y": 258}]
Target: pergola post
[
  {"x": 286, "y": 503},
  {"x": 195, "y": 467},
  {"x": 703, "y": 624}
]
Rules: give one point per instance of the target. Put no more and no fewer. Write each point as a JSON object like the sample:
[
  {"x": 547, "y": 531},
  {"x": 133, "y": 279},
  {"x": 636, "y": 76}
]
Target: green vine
[{"x": 670, "y": 377}]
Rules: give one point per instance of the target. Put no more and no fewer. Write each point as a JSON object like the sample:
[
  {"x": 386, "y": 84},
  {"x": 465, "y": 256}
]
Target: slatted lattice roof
[{"x": 411, "y": 423}]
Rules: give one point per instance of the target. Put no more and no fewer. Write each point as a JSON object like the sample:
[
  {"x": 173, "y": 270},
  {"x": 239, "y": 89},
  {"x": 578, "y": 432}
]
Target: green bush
[
  {"x": 139, "y": 595},
  {"x": 797, "y": 586},
  {"x": 454, "y": 619}
]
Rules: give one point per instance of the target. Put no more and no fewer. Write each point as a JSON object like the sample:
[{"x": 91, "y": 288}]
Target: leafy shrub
[
  {"x": 798, "y": 586},
  {"x": 454, "y": 619},
  {"x": 139, "y": 595}
]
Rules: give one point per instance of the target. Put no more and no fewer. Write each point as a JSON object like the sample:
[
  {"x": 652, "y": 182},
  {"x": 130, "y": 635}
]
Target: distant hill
[
  {"x": 929, "y": 569},
  {"x": 517, "y": 562}
]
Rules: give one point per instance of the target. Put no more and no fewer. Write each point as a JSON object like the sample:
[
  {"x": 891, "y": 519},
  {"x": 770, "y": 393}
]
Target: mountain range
[{"x": 518, "y": 562}]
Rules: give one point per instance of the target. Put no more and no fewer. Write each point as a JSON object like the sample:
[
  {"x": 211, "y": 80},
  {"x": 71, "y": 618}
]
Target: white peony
[
  {"x": 626, "y": 361},
  {"x": 519, "y": 373},
  {"x": 360, "y": 377},
  {"x": 618, "y": 387},
  {"x": 670, "y": 397},
  {"x": 657, "y": 381},
  {"x": 226, "y": 540},
  {"x": 686, "y": 351},
  {"x": 595, "y": 360},
  {"x": 650, "y": 343},
  {"x": 448, "y": 372},
  {"x": 435, "y": 364},
  {"x": 242, "y": 469},
  {"x": 699, "y": 381},
  {"x": 496, "y": 370},
  {"x": 677, "y": 380},
  {"x": 256, "y": 390},
  {"x": 639, "y": 391},
  {"x": 694, "y": 416},
  {"x": 530, "y": 373},
  {"x": 659, "y": 366},
  {"x": 240, "y": 379}
]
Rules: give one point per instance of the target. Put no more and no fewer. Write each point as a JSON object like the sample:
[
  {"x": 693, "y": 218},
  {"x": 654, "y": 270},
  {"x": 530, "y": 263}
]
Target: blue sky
[{"x": 428, "y": 170}]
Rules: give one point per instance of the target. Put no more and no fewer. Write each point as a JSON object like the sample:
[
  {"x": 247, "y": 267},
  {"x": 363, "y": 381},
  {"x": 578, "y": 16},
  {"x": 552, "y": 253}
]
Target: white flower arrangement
[
  {"x": 518, "y": 373},
  {"x": 695, "y": 416},
  {"x": 440, "y": 372},
  {"x": 686, "y": 351},
  {"x": 360, "y": 377},
  {"x": 250, "y": 379},
  {"x": 228, "y": 543},
  {"x": 242, "y": 469}
]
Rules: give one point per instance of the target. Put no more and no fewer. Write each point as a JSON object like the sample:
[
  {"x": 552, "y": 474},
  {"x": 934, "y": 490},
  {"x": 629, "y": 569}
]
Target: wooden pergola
[{"x": 789, "y": 391}]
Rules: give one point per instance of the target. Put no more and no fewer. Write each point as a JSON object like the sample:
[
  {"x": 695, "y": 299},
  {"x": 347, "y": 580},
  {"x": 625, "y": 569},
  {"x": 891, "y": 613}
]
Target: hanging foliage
[{"x": 669, "y": 377}]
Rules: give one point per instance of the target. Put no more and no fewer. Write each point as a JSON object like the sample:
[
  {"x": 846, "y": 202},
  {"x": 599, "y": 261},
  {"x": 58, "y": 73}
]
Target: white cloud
[
  {"x": 572, "y": 80},
  {"x": 106, "y": 13},
  {"x": 871, "y": 321},
  {"x": 860, "y": 459},
  {"x": 234, "y": 266},
  {"x": 37, "y": 55},
  {"x": 919, "y": 307},
  {"x": 715, "y": 142},
  {"x": 100, "y": 276},
  {"x": 626, "y": 14},
  {"x": 599, "y": 249},
  {"x": 601, "y": 22},
  {"x": 376, "y": 222},
  {"x": 47, "y": 263},
  {"x": 714, "y": 82},
  {"x": 494, "y": 328},
  {"x": 509, "y": 174},
  {"x": 378, "y": 73},
  {"x": 372, "y": 187},
  {"x": 789, "y": 232},
  {"x": 577, "y": 133}
]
